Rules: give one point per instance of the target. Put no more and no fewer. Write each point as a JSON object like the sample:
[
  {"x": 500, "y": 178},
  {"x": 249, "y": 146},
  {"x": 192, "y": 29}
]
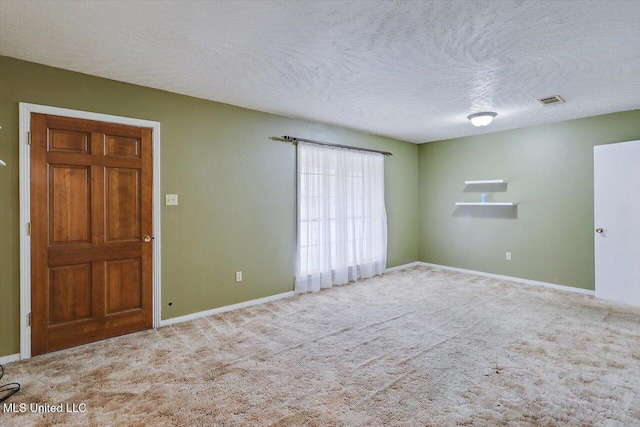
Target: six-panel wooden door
[{"x": 91, "y": 231}]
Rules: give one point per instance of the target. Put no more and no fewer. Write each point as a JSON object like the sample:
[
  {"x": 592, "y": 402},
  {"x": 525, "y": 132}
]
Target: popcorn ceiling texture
[
  {"x": 416, "y": 347},
  {"x": 411, "y": 70}
]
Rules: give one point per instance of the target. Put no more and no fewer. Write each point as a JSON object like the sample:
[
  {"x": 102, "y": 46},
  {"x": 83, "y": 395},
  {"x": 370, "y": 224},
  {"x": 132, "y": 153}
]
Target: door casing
[{"x": 25, "y": 110}]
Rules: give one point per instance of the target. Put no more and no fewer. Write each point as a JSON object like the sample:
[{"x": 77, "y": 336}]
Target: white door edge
[{"x": 619, "y": 265}]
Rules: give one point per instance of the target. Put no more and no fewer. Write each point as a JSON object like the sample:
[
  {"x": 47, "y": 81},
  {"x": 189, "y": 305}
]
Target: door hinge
[
  {"x": 29, "y": 320},
  {"x": 29, "y": 138},
  {"x": 28, "y": 229}
]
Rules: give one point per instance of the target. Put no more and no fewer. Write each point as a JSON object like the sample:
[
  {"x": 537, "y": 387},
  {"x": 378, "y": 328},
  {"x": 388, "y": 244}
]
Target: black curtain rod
[{"x": 295, "y": 140}]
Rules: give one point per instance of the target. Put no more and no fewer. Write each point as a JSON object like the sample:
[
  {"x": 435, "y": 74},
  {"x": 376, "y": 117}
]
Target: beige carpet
[{"x": 418, "y": 347}]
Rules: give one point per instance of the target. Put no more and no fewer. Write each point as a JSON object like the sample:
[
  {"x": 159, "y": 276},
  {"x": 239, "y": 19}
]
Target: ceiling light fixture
[{"x": 482, "y": 119}]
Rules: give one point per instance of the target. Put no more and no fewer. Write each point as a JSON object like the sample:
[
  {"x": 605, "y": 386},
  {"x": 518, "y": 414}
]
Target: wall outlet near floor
[
  {"x": 508, "y": 256},
  {"x": 238, "y": 276}
]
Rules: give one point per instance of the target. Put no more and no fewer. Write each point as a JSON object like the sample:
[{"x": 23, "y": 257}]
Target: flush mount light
[{"x": 482, "y": 119}]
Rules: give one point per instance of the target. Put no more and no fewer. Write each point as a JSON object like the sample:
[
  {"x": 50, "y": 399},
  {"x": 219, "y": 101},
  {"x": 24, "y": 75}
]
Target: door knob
[
  {"x": 599, "y": 230},
  {"x": 146, "y": 238}
]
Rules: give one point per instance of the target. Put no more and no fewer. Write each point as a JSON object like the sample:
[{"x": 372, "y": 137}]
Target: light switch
[{"x": 171, "y": 199}]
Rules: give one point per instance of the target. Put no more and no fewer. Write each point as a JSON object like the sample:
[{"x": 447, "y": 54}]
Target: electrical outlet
[
  {"x": 238, "y": 276},
  {"x": 170, "y": 199},
  {"x": 508, "y": 256}
]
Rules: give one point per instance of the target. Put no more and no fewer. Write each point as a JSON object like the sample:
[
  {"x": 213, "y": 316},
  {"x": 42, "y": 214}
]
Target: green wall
[
  {"x": 236, "y": 190},
  {"x": 235, "y": 187},
  {"x": 549, "y": 170}
]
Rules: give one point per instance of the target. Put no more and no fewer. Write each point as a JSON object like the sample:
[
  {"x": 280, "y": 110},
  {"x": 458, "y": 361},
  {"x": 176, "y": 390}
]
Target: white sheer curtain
[{"x": 342, "y": 221}]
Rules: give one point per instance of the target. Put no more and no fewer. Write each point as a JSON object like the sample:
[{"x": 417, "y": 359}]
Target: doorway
[{"x": 92, "y": 228}]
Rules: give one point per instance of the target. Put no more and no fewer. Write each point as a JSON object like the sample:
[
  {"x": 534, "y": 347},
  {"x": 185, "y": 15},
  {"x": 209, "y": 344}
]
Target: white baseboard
[
  {"x": 10, "y": 358},
  {"x": 512, "y": 279},
  {"x": 403, "y": 266},
  {"x": 218, "y": 310}
]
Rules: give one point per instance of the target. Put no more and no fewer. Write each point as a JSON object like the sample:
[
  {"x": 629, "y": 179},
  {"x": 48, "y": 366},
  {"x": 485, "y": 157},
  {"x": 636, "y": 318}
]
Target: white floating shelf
[
  {"x": 486, "y": 204},
  {"x": 486, "y": 181}
]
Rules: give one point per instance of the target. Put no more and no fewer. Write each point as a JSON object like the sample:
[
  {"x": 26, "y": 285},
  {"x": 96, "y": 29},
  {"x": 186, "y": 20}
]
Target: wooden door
[
  {"x": 91, "y": 222},
  {"x": 617, "y": 221}
]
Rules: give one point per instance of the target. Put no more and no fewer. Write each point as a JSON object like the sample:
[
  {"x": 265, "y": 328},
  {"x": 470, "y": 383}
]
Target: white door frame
[{"x": 25, "y": 207}]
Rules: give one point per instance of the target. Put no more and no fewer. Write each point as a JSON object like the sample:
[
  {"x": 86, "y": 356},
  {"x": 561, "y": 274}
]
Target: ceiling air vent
[{"x": 548, "y": 100}]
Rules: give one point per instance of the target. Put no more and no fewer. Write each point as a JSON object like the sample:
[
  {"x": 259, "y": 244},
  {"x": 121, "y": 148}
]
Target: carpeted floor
[{"x": 416, "y": 347}]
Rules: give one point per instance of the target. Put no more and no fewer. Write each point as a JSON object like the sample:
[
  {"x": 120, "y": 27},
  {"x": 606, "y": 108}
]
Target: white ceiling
[{"x": 411, "y": 70}]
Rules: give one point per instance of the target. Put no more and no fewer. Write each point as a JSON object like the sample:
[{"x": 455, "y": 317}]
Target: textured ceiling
[{"x": 411, "y": 70}]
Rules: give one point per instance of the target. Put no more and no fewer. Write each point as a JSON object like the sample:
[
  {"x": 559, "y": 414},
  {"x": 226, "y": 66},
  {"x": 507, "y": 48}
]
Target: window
[{"x": 342, "y": 226}]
